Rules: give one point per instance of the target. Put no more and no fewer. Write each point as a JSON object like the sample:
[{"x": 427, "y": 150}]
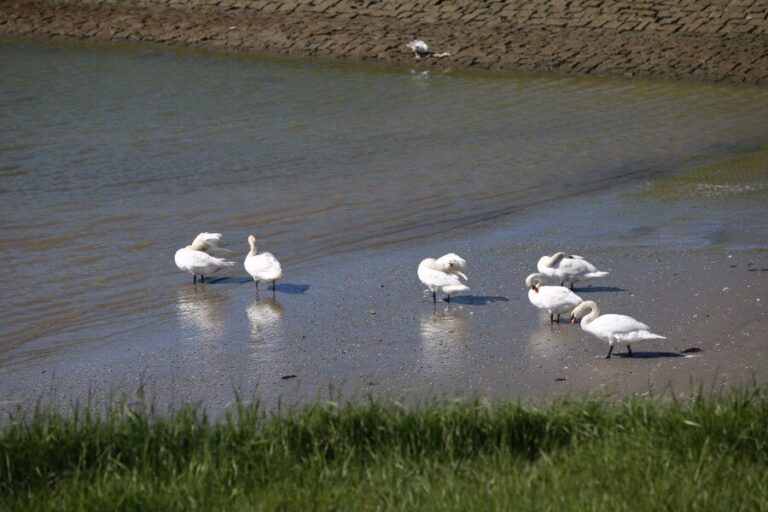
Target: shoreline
[
  {"x": 311, "y": 343},
  {"x": 617, "y": 39}
]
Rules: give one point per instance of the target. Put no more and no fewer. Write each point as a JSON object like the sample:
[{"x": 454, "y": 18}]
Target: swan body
[
  {"x": 421, "y": 49},
  {"x": 262, "y": 266},
  {"x": 443, "y": 274},
  {"x": 568, "y": 268},
  {"x": 612, "y": 328},
  {"x": 202, "y": 256},
  {"x": 557, "y": 300}
]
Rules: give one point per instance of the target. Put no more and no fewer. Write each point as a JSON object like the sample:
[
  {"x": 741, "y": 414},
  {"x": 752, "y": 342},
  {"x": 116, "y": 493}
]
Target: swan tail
[
  {"x": 652, "y": 336},
  {"x": 593, "y": 275}
]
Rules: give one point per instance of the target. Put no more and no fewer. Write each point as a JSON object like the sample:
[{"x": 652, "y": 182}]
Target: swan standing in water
[
  {"x": 443, "y": 274},
  {"x": 262, "y": 266},
  {"x": 568, "y": 268},
  {"x": 554, "y": 299},
  {"x": 203, "y": 256},
  {"x": 612, "y": 328}
]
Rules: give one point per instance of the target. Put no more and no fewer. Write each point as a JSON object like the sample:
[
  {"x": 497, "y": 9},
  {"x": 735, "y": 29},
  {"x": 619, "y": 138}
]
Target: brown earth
[{"x": 714, "y": 41}]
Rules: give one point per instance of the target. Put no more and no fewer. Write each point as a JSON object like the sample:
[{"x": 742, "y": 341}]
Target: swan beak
[{"x": 573, "y": 319}]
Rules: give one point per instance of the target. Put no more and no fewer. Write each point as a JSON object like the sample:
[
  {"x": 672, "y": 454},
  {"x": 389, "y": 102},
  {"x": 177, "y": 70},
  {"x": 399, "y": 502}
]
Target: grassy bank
[{"x": 706, "y": 454}]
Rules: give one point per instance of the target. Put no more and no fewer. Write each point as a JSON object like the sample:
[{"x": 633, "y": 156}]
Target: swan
[
  {"x": 568, "y": 268},
  {"x": 202, "y": 257},
  {"x": 612, "y": 328},
  {"x": 555, "y": 299},
  {"x": 443, "y": 274},
  {"x": 262, "y": 266},
  {"x": 421, "y": 49}
]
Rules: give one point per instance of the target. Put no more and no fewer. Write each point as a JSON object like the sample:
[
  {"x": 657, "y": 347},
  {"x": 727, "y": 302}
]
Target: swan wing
[
  {"x": 619, "y": 324},
  {"x": 263, "y": 266},
  {"x": 207, "y": 239},
  {"x": 555, "y": 296},
  {"x": 438, "y": 278}
]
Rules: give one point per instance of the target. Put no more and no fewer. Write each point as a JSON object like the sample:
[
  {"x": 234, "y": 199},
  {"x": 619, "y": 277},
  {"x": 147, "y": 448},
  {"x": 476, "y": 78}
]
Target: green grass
[{"x": 585, "y": 454}]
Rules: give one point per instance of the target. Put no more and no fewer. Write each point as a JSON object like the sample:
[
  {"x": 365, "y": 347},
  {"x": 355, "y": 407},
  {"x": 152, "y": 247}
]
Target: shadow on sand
[
  {"x": 292, "y": 289},
  {"x": 648, "y": 355},
  {"x": 478, "y": 300},
  {"x": 228, "y": 280}
]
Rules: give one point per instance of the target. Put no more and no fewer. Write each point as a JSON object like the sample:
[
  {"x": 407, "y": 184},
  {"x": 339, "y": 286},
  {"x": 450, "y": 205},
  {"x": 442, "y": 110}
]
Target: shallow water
[{"x": 112, "y": 158}]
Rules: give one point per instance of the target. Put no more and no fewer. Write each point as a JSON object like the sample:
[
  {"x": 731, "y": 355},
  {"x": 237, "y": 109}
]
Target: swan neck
[{"x": 594, "y": 312}]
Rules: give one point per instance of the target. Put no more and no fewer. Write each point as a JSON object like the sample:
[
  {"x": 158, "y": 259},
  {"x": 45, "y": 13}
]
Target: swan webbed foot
[
  {"x": 571, "y": 286},
  {"x": 629, "y": 351},
  {"x": 448, "y": 298},
  {"x": 202, "y": 278},
  {"x": 274, "y": 288},
  {"x": 558, "y": 318},
  {"x": 610, "y": 349}
]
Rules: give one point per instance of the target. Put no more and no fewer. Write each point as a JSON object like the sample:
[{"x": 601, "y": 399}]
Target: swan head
[
  {"x": 581, "y": 309},
  {"x": 533, "y": 281}
]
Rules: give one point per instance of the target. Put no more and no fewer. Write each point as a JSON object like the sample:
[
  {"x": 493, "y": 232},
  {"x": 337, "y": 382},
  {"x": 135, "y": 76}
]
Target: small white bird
[
  {"x": 262, "y": 266},
  {"x": 554, "y": 299},
  {"x": 421, "y": 49},
  {"x": 443, "y": 274},
  {"x": 568, "y": 268},
  {"x": 203, "y": 256},
  {"x": 612, "y": 328}
]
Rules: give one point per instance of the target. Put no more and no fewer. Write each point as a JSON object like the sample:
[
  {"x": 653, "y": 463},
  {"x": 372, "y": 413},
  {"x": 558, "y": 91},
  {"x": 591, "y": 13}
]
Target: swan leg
[
  {"x": 274, "y": 287},
  {"x": 551, "y": 318},
  {"x": 434, "y": 297},
  {"x": 558, "y": 318},
  {"x": 610, "y": 349},
  {"x": 571, "y": 285},
  {"x": 448, "y": 298},
  {"x": 629, "y": 350},
  {"x": 202, "y": 278},
  {"x": 194, "y": 278}
]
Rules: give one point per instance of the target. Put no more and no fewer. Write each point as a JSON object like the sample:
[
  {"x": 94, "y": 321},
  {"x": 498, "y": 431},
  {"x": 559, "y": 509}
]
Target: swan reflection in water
[
  {"x": 549, "y": 340},
  {"x": 266, "y": 319},
  {"x": 202, "y": 310},
  {"x": 444, "y": 337}
]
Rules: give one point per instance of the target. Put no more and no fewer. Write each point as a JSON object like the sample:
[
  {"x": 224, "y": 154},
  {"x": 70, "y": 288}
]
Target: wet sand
[{"x": 359, "y": 325}]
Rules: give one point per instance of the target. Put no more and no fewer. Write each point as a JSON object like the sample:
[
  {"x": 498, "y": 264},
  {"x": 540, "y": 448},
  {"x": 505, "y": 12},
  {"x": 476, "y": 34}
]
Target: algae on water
[{"x": 745, "y": 174}]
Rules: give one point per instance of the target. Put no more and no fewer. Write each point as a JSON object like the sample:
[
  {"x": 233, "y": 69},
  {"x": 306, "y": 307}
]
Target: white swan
[
  {"x": 568, "y": 268},
  {"x": 443, "y": 274},
  {"x": 554, "y": 299},
  {"x": 202, "y": 256},
  {"x": 421, "y": 49},
  {"x": 612, "y": 328},
  {"x": 262, "y": 266}
]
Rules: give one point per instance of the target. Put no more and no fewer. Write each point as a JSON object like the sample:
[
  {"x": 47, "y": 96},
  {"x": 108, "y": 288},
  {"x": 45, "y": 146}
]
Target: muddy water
[{"x": 112, "y": 158}]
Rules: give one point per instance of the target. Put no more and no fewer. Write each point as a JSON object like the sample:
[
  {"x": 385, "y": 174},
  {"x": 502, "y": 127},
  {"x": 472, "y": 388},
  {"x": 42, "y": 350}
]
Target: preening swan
[
  {"x": 612, "y": 328},
  {"x": 554, "y": 299},
  {"x": 262, "y": 266},
  {"x": 443, "y": 274},
  {"x": 202, "y": 256},
  {"x": 421, "y": 49},
  {"x": 568, "y": 268}
]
